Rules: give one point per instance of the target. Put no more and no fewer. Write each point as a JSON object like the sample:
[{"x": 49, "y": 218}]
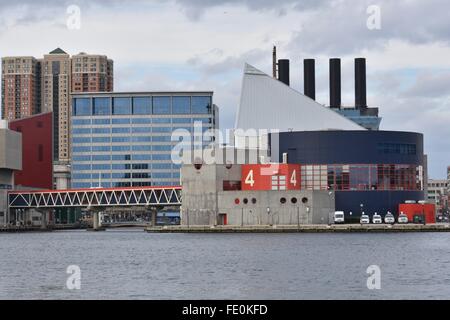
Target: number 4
[
  {"x": 249, "y": 180},
  {"x": 294, "y": 178}
]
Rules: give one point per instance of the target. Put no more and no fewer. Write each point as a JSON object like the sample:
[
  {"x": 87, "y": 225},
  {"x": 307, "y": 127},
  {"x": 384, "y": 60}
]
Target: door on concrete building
[{"x": 223, "y": 219}]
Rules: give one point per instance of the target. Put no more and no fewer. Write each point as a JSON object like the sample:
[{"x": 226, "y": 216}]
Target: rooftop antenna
[{"x": 274, "y": 62}]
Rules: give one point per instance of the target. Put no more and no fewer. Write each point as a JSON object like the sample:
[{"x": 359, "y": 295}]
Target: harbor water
[{"x": 133, "y": 264}]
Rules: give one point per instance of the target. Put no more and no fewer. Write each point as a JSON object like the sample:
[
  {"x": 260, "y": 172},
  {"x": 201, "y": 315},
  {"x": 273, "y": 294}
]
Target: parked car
[
  {"x": 364, "y": 219},
  {"x": 389, "y": 218},
  {"x": 377, "y": 219},
  {"x": 339, "y": 217},
  {"x": 402, "y": 218}
]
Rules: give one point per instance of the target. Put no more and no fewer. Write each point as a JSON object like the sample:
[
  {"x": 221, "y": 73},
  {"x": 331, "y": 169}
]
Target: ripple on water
[{"x": 136, "y": 265}]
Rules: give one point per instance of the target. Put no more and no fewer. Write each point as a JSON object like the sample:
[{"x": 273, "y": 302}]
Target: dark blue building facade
[{"x": 369, "y": 171}]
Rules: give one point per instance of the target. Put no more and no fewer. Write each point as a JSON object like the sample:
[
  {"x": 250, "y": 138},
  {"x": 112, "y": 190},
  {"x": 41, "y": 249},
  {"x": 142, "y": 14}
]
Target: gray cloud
[
  {"x": 228, "y": 64},
  {"x": 340, "y": 28},
  {"x": 430, "y": 84},
  {"x": 196, "y": 8}
]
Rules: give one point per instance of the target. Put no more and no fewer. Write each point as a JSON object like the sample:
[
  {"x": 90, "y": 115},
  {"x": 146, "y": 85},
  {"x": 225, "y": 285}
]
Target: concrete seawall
[{"x": 348, "y": 228}]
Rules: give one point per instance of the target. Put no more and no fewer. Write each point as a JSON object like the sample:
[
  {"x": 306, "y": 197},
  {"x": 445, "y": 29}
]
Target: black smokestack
[
  {"x": 335, "y": 83},
  {"x": 360, "y": 83},
  {"x": 309, "y": 78},
  {"x": 283, "y": 71}
]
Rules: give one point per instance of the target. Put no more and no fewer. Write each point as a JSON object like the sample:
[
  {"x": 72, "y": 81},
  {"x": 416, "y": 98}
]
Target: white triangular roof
[{"x": 267, "y": 103}]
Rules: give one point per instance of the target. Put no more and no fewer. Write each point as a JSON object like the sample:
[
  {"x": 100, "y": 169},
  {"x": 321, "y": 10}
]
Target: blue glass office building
[{"x": 124, "y": 139}]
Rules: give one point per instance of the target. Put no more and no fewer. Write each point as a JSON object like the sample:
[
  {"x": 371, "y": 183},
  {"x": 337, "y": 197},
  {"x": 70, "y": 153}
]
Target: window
[
  {"x": 141, "y": 121},
  {"x": 81, "y": 158},
  {"x": 82, "y": 107},
  {"x": 161, "y": 120},
  {"x": 162, "y": 129},
  {"x": 120, "y": 148},
  {"x": 81, "y": 122},
  {"x": 101, "y": 157},
  {"x": 201, "y": 105},
  {"x": 121, "y": 157},
  {"x": 100, "y": 139},
  {"x": 101, "y": 130},
  {"x": 397, "y": 148},
  {"x": 140, "y": 175},
  {"x": 81, "y": 176},
  {"x": 181, "y": 105},
  {"x": 142, "y": 105},
  {"x": 139, "y": 166},
  {"x": 141, "y": 130},
  {"x": 120, "y": 130},
  {"x": 362, "y": 177},
  {"x": 161, "y": 166},
  {"x": 101, "y": 167},
  {"x": 101, "y": 106},
  {"x": 142, "y": 157},
  {"x": 161, "y": 139},
  {"x": 121, "y": 166},
  {"x": 79, "y": 167},
  {"x": 81, "y": 149},
  {"x": 125, "y": 175},
  {"x": 162, "y": 175},
  {"x": 159, "y": 157},
  {"x": 142, "y": 148},
  {"x": 161, "y": 105},
  {"x": 121, "y": 106},
  {"x": 141, "y": 139},
  {"x": 81, "y": 185},
  {"x": 101, "y": 148},
  {"x": 121, "y": 121},
  {"x": 162, "y": 148},
  {"x": 181, "y": 120},
  {"x": 101, "y": 121},
  {"x": 76, "y": 140},
  {"x": 120, "y": 139}
]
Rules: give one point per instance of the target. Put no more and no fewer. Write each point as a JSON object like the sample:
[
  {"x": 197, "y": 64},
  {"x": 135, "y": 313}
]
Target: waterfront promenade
[{"x": 343, "y": 228}]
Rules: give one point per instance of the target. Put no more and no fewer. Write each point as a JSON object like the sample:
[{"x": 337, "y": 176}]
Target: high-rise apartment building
[
  {"x": 20, "y": 87},
  {"x": 31, "y": 85},
  {"x": 91, "y": 73},
  {"x": 55, "y": 85}
]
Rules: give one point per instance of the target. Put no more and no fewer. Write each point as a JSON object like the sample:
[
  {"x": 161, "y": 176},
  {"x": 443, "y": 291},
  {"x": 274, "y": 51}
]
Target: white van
[
  {"x": 377, "y": 218},
  {"x": 339, "y": 217}
]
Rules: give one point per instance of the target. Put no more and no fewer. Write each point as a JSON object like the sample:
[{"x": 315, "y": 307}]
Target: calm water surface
[{"x": 132, "y": 264}]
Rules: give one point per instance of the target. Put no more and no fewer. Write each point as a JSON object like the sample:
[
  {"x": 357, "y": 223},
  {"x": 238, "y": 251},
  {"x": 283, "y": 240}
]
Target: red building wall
[
  {"x": 37, "y": 151},
  {"x": 413, "y": 209},
  {"x": 270, "y": 177}
]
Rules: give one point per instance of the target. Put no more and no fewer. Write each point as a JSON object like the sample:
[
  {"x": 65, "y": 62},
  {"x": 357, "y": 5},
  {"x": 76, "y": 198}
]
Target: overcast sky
[{"x": 203, "y": 44}]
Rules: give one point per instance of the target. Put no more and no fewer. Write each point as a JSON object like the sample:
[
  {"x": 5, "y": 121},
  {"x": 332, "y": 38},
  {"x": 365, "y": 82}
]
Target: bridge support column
[
  {"x": 95, "y": 220},
  {"x": 44, "y": 220},
  {"x": 154, "y": 214}
]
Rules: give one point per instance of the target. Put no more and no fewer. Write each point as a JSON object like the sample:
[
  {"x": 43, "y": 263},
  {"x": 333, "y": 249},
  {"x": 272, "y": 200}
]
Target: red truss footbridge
[{"x": 95, "y": 197}]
